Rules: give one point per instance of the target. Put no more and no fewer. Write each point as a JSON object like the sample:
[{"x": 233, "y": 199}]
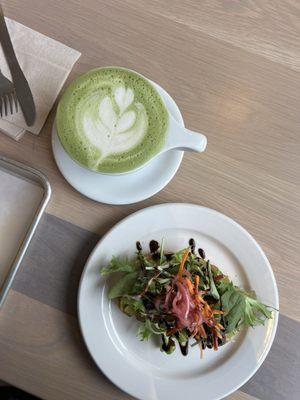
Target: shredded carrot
[
  {"x": 172, "y": 331},
  {"x": 220, "y": 326},
  {"x": 200, "y": 299},
  {"x": 194, "y": 334},
  {"x": 201, "y": 351},
  {"x": 218, "y": 312},
  {"x": 190, "y": 285},
  {"x": 219, "y": 335},
  {"x": 207, "y": 310},
  {"x": 183, "y": 261},
  {"x": 202, "y": 331},
  {"x": 196, "y": 283},
  {"x": 215, "y": 341}
]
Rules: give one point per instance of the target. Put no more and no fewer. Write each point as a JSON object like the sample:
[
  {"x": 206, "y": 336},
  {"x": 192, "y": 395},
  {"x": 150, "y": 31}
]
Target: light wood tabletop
[{"x": 233, "y": 68}]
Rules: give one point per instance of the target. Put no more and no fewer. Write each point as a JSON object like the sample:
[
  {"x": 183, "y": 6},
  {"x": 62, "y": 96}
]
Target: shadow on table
[
  {"x": 11, "y": 393},
  {"x": 51, "y": 270}
]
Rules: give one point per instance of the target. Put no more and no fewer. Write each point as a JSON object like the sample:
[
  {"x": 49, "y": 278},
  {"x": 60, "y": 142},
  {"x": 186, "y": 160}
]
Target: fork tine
[
  {"x": 9, "y": 96},
  {"x": 5, "y": 104},
  {"x": 14, "y": 94},
  {"x": 1, "y": 106}
]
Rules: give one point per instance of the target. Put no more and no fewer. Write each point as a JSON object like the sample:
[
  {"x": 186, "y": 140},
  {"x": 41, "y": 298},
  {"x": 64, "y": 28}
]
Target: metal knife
[{"x": 22, "y": 88}]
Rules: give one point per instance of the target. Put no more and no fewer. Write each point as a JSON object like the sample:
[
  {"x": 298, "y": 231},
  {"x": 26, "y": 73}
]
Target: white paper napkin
[{"x": 46, "y": 64}]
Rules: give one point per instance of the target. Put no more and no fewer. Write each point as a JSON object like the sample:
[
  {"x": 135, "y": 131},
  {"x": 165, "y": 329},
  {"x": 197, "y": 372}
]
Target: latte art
[
  {"x": 111, "y": 120},
  {"x": 116, "y": 130}
]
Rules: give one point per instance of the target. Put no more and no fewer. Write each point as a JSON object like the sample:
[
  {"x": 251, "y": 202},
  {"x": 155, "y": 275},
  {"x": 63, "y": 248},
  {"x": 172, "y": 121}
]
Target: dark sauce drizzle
[
  {"x": 154, "y": 246},
  {"x": 201, "y": 253},
  {"x": 184, "y": 348},
  {"x": 167, "y": 346},
  {"x": 192, "y": 245},
  {"x": 169, "y": 256}
]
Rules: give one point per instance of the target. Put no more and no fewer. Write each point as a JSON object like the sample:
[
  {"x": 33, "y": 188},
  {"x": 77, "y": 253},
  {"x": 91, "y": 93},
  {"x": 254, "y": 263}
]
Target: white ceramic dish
[
  {"x": 126, "y": 188},
  {"x": 139, "y": 368}
]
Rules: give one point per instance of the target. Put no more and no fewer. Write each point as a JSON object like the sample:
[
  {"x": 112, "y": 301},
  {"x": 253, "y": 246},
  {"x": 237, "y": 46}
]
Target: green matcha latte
[{"x": 111, "y": 120}]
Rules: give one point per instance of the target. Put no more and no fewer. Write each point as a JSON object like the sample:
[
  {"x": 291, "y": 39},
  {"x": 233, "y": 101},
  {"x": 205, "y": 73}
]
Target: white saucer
[{"x": 122, "y": 189}]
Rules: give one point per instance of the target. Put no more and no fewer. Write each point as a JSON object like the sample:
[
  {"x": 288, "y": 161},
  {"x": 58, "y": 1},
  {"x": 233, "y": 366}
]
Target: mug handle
[{"x": 181, "y": 138}]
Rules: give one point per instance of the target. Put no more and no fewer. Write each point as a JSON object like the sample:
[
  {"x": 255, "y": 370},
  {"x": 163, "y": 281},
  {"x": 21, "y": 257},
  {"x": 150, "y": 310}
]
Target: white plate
[
  {"x": 127, "y": 188},
  {"x": 139, "y": 368}
]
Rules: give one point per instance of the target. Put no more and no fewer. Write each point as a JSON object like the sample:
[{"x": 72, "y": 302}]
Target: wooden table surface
[{"x": 233, "y": 67}]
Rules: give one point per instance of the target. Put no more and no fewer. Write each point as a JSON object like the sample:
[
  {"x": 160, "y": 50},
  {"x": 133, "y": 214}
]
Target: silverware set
[{"x": 17, "y": 91}]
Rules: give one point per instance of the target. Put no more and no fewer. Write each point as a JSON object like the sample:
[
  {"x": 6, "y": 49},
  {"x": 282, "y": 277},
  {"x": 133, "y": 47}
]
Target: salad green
[{"x": 182, "y": 298}]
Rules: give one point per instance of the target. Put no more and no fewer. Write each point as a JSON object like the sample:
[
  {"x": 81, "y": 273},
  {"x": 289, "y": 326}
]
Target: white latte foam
[{"x": 116, "y": 132}]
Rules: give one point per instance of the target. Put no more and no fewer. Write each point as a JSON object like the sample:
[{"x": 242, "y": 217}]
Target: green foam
[{"x": 81, "y": 101}]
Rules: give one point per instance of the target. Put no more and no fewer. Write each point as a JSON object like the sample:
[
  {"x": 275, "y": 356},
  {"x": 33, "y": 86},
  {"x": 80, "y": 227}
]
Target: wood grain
[
  {"x": 248, "y": 24},
  {"x": 233, "y": 67}
]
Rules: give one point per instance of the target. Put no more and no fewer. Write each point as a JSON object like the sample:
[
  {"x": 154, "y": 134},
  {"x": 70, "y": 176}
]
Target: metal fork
[{"x": 8, "y": 96}]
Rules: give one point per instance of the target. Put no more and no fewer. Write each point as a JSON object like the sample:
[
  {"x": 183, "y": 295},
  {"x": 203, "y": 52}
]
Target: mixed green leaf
[{"x": 182, "y": 297}]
